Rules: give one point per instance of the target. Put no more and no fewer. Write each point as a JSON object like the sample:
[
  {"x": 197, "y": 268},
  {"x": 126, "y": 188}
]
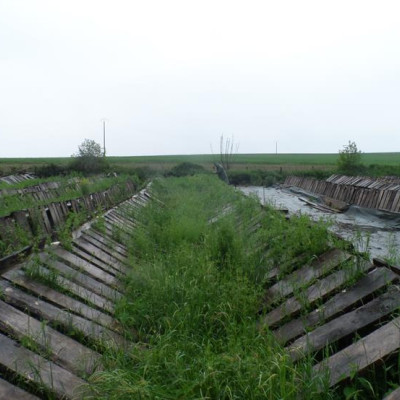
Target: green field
[{"x": 240, "y": 161}]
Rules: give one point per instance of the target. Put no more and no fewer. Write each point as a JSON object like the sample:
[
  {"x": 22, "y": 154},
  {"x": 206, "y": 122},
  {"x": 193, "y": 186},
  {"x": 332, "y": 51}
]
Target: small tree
[
  {"x": 349, "y": 161},
  {"x": 90, "y": 158},
  {"x": 89, "y": 148}
]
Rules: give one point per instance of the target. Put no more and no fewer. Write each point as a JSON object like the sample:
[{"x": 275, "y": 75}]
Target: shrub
[
  {"x": 186, "y": 169},
  {"x": 349, "y": 161}
]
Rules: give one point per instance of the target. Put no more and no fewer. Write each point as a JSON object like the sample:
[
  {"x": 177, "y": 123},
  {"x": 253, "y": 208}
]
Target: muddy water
[{"x": 369, "y": 230}]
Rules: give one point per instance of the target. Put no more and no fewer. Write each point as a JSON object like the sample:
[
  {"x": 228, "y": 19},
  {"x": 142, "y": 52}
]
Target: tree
[
  {"x": 89, "y": 158},
  {"x": 349, "y": 161},
  {"x": 89, "y": 148}
]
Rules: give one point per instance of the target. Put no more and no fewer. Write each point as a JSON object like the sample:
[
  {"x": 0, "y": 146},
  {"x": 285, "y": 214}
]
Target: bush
[
  {"x": 89, "y": 158},
  {"x": 186, "y": 169},
  {"x": 349, "y": 161},
  {"x": 51, "y": 169}
]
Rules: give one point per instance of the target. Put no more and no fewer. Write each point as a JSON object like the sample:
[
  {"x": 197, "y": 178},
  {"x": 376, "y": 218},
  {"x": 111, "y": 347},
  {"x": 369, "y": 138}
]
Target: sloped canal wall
[{"x": 380, "y": 194}]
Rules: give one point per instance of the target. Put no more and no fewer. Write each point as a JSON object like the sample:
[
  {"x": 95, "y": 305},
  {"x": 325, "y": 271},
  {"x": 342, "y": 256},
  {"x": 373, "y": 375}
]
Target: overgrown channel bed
[
  {"x": 203, "y": 257},
  {"x": 197, "y": 292}
]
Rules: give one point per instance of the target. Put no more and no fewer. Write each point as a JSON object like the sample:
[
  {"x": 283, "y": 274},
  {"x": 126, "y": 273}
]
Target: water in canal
[{"x": 369, "y": 230}]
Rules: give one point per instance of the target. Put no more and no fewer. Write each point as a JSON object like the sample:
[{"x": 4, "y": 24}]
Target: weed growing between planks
[{"x": 193, "y": 295}]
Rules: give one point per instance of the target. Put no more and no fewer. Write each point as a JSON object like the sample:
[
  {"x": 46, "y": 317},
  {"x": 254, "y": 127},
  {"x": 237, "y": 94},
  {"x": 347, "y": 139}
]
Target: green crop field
[{"x": 240, "y": 161}]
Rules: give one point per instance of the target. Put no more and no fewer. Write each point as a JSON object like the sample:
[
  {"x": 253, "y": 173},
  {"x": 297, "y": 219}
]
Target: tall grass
[{"x": 193, "y": 296}]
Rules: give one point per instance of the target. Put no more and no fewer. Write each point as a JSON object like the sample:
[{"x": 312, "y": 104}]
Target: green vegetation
[
  {"x": 89, "y": 159},
  {"x": 186, "y": 169},
  {"x": 393, "y": 159},
  {"x": 349, "y": 161},
  {"x": 193, "y": 298},
  {"x": 251, "y": 169}
]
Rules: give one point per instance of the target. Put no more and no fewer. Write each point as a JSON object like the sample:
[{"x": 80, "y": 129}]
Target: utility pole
[
  {"x": 276, "y": 148},
  {"x": 104, "y": 138}
]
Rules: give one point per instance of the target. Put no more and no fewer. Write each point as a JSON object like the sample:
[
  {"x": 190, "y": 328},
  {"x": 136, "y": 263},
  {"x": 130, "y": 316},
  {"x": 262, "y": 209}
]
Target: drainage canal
[{"x": 370, "y": 230}]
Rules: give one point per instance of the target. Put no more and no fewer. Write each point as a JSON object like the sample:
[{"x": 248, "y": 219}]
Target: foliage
[
  {"x": 349, "y": 161},
  {"x": 89, "y": 158},
  {"x": 89, "y": 148},
  {"x": 51, "y": 169},
  {"x": 186, "y": 169}
]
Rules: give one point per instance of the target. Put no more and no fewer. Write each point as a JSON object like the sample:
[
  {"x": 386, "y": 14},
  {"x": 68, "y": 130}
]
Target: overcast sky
[{"x": 171, "y": 76}]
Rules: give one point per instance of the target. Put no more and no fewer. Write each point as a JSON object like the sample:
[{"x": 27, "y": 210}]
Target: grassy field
[{"x": 241, "y": 161}]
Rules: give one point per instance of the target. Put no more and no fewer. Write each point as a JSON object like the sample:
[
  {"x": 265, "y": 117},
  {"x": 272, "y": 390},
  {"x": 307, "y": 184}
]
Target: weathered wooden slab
[
  {"x": 395, "y": 395},
  {"x": 120, "y": 220},
  {"x": 341, "y": 302},
  {"x": 80, "y": 291},
  {"x": 81, "y": 264},
  {"x": 95, "y": 261},
  {"x": 108, "y": 241},
  {"x": 318, "y": 268},
  {"x": 117, "y": 223},
  {"x": 11, "y": 392},
  {"x": 315, "y": 292},
  {"x": 100, "y": 254},
  {"x": 363, "y": 353},
  {"x": 44, "y": 310},
  {"x": 64, "y": 351},
  {"x": 274, "y": 272},
  {"x": 345, "y": 324},
  {"x": 81, "y": 279},
  {"x": 105, "y": 248},
  {"x": 33, "y": 367},
  {"x": 116, "y": 219},
  {"x": 62, "y": 300}
]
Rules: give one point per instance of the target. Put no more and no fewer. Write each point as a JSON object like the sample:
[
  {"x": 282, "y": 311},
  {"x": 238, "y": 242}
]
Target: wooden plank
[
  {"x": 104, "y": 248},
  {"x": 64, "y": 351},
  {"x": 367, "y": 285},
  {"x": 11, "y": 392},
  {"x": 345, "y": 325},
  {"x": 128, "y": 211},
  {"x": 108, "y": 241},
  {"x": 95, "y": 261},
  {"x": 33, "y": 367},
  {"x": 44, "y": 310},
  {"x": 54, "y": 214},
  {"x": 45, "y": 220},
  {"x": 81, "y": 279},
  {"x": 318, "y": 267},
  {"x": 111, "y": 227},
  {"x": 396, "y": 202},
  {"x": 120, "y": 220},
  {"x": 80, "y": 291},
  {"x": 60, "y": 299},
  {"x": 77, "y": 262},
  {"x": 395, "y": 395},
  {"x": 363, "y": 353},
  {"x": 100, "y": 254},
  {"x": 318, "y": 291},
  {"x": 104, "y": 243}
]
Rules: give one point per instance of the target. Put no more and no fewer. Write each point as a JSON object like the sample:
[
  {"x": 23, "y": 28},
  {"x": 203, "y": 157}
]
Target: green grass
[
  {"x": 193, "y": 296},
  {"x": 272, "y": 159}
]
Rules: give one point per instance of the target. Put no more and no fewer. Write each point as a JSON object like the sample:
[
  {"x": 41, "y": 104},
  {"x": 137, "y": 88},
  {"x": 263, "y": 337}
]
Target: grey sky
[{"x": 172, "y": 76}]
